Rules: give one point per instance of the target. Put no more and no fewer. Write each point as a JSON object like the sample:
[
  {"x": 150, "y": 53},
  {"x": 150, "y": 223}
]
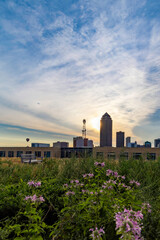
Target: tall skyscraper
[
  {"x": 128, "y": 141},
  {"x": 156, "y": 142},
  {"x": 106, "y": 131},
  {"x": 120, "y": 139}
]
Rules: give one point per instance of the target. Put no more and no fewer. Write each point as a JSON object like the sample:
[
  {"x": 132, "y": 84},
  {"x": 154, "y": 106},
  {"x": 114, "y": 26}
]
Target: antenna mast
[{"x": 84, "y": 129}]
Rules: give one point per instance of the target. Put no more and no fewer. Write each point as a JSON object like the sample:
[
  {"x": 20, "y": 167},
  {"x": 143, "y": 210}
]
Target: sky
[{"x": 63, "y": 61}]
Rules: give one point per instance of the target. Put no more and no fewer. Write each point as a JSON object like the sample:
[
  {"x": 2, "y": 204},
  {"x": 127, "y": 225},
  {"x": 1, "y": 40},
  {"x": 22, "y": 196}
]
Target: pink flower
[
  {"x": 99, "y": 164},
  {"x": 135, "y": 182},
  {"x": 34, "y": 184},
  {"x": 69, "y": 193},
  {"x": 41, "y": 199},
  {"x": 34, "y": 198}
]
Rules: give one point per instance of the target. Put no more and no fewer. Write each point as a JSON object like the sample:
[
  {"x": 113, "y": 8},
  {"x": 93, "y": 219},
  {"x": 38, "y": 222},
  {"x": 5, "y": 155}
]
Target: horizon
[{"x": 65, "y": 61}]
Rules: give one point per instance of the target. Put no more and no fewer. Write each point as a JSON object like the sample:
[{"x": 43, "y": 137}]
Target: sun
[{"x": 96, "y": 123}]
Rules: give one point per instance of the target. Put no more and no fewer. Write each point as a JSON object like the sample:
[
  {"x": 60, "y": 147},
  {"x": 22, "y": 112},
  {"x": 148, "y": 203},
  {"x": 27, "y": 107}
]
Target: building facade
[
  {"x": 40, "y": 145},
  {"x": 80, "y": 142},
  {"x": 156, "y": 142},
  {"x": 126, "y": 153},
  {"x": 106, "y": 131},
  {"x": 128, "y": 140},
  {"x": 120, "y": 139},
  {"x": 61, "y": 144}
]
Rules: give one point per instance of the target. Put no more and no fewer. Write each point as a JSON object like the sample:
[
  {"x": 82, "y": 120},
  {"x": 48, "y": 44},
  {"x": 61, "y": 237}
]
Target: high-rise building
[
  {"x": 156, "y": 142},
  {"x": 106, "y": 131},
  {"x": 128, "y": 141},
  {"x": 120, "y": 139}
]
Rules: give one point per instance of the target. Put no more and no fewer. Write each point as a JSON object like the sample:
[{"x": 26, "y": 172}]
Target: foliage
[{"x": 77, "y": 198}]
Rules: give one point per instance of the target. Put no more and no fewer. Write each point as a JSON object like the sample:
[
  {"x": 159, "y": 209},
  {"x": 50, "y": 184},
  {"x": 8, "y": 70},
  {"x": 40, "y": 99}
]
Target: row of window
[
  {"x": 112, "y": 155},
  {"x": 18, "y": 153}
]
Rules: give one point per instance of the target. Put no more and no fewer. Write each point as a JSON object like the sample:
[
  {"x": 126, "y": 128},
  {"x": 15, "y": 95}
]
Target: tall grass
[{"x": 145, "y": 172}]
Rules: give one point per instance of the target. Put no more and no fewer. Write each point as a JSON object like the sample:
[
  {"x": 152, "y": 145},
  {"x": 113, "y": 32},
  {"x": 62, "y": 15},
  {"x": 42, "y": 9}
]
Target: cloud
[{"x": 79, "y": 64}]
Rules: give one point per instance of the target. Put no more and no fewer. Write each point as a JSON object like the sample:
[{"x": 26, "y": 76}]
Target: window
[
  {"x": 111, "y": 155},
  {"x": 47, "y": 154},
  {"x": 28, "y": 152},
  {"x": 19, "y": 153},
  {"x": 99, "y": 154},
  {"x": 151, "y": 156},
  {"x": 2, "y": 153},
  {"x": 38, "y": 154},
  {"x": 10, "y": 154},
  {"x": 124, "y": 155},
  {"x": 137, "y": 155}
]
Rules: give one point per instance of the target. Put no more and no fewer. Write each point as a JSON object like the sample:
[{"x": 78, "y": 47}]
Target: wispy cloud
[{"x": 80, "y": 63}]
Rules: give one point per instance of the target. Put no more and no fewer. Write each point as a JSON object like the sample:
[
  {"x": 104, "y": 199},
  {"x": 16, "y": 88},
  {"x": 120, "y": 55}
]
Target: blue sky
[{"x": 63, "y": 61}]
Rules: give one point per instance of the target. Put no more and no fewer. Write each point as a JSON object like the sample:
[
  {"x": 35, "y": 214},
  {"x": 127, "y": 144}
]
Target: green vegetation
[{"x": 80, "y": 199}]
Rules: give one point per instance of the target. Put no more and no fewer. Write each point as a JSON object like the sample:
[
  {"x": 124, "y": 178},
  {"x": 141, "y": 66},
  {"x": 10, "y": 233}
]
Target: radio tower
[{"x": 84, "y": 129}]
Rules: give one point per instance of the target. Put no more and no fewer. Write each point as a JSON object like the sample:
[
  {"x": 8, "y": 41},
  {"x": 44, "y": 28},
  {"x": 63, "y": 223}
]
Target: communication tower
[{"x": 84, "y": 129}]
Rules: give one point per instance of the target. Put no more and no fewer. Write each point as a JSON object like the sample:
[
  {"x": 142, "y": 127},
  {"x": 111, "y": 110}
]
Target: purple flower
[
  {"x": 135, "y": 182},
  {"x": 37, "y": 184},
  {"x": 30, "y": 183},
  {"x": 99, "y": 164},
  {"x": 102, "y": 164},
  {"x": 34, "y": 184},
  {"x": 69, "y": 193},
  {"x": 129, "y": 221},
  {"x": 146, "y": 206},
  {"x": 115, "y": 174},
  {"x": 109, "y": 172},
  {"x": 96, "y": 234},
  {"x": 41, "y": 199},
  {"x": 34, "y": 198},
  {"x": 27, "y": 197},
  {"x": 90, "y": 175}
]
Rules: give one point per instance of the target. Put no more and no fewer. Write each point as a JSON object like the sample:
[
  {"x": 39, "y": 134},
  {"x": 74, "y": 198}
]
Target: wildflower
[
  {"x": 90, "y": 175},
  {"x": 109, "y": 172},
  {"x": 69, "y": 193},
  {"x": 76, "y": 181},
  {"x": 41, "y": 199},
  {"x": 34, "y": 184},
  {"x": 99, "y": 164},
  {"x": 84, "y": 191},
  {"x": 115, "y": 174},
  {"x": 146, "y": 206},
  {"x": 34, "y": 198},
  {"x": 135, "y": 182},
  {"x": 96, "y": 234},
  {"x": 128, "y": 222}
]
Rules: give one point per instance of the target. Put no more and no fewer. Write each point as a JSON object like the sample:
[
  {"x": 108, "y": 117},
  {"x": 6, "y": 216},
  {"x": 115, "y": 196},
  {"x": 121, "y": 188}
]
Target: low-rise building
[{"x": 126, "y": 153}]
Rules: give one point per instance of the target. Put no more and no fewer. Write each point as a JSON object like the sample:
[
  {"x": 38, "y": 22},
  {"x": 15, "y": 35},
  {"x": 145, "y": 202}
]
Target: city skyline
[{"x": 65, "y": 61}]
